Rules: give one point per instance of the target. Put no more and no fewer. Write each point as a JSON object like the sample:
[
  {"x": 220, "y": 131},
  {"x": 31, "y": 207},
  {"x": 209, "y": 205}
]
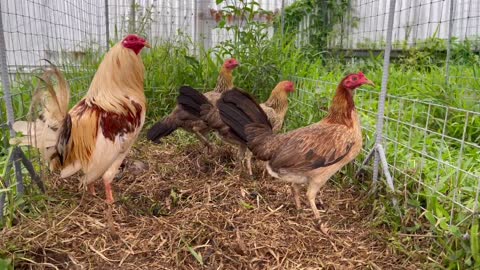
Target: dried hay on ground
[{"x": 186, "y": 209}]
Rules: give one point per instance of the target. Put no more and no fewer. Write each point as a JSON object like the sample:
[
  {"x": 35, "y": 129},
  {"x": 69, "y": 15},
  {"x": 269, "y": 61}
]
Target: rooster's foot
[
  {"x": 91, "y": 189},
  {"x": 108, "y": 193}
]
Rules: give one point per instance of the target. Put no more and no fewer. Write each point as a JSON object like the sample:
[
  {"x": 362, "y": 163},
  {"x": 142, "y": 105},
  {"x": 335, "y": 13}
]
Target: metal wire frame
[{"x": 415, "y": 21}]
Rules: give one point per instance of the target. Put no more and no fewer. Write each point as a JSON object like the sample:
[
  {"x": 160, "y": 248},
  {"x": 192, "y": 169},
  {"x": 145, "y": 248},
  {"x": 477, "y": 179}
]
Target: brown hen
[
  {"x": 309, "y": 155},
  {"x": 180, "y": 118},
  {"x": 275, "y": 107}
]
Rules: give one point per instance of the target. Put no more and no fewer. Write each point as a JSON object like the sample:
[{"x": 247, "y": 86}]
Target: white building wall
[
  {"x": 36, "y": 29},
  {"x": 415, "y": 20}
]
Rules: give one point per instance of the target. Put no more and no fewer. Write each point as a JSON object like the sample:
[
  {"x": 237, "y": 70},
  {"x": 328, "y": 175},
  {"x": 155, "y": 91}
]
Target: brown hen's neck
[
  {"x": 342, "y": 107},
  {"x": 224, "y": 81},
  {"x": 278, "y": 100}
]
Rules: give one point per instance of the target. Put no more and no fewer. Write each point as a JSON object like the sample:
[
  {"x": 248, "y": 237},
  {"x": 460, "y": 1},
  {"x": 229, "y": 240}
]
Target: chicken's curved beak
[
  {"x": 368, "y": 82},
  {"x": 146, "y": 44}
]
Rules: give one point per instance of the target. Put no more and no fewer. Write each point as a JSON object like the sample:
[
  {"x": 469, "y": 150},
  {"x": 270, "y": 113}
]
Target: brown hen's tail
[
  {"x": 191, "y": 100},
  {"x": 49, "y": 125},
  {"x": 162, "y": 128},
  {"x": 245, "y": 117}
]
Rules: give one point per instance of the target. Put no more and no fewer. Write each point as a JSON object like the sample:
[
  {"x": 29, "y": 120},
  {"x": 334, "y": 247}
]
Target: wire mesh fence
[
  {"x": 362, "y": 24},
  {"x": 431, "y": 136},
  {"x": 430, "y": 133},
  {"x": 431, "y": 161}
]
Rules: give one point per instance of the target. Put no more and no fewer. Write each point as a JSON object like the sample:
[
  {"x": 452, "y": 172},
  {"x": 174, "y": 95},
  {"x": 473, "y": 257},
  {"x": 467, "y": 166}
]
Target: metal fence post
[
  {"x": 449, "y": 43},
  {"x": 283, "y": 19},
  {"x": 131, "y": 26},
  {"x": 7, "y": 97},
  {"x": 107, "y": 27},
  {"x": 17, "y": 157},
  {"x": 383, "y": 92}
]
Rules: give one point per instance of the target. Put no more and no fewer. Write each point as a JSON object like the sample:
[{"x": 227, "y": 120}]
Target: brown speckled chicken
[
  {"x": 180, "y": 118},
  {"x": 309, "y": 155},
  {"x": 275, "y": 107}
]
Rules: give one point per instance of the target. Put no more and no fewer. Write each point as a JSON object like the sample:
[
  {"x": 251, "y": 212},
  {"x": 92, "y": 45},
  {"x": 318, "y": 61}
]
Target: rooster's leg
[
  {"x": 108, "y": 191},
  {"x": 110, "y": 174},
  {"x": 312, "y": 191},
  {"x": 296, "y": 195},
  {"x": 91, "y": 188}
]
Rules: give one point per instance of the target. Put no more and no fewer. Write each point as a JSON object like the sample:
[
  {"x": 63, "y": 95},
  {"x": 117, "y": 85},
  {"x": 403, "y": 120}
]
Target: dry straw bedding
[{"x": 185, "y": 209}]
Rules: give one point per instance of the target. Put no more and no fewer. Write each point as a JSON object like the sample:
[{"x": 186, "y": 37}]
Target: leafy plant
[
  {"x": 322, "y": 16},
  {"x": 6, "y": 264}
]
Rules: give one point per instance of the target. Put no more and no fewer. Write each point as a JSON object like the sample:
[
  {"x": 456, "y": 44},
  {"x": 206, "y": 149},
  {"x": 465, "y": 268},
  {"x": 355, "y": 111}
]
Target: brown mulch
[{"x": 190, "y": 210}]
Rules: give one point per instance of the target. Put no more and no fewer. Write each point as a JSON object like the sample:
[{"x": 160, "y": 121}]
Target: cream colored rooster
[{"x": 97, "y": 133}]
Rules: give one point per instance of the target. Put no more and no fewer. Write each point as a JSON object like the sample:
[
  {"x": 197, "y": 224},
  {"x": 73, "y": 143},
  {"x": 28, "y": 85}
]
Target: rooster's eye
[{"x": 354, "y": 78}]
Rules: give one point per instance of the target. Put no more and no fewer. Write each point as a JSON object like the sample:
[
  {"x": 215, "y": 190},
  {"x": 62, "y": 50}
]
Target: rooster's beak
[
  {"x": 147, "y": 44},
  {"x": 369, "y": 83}
]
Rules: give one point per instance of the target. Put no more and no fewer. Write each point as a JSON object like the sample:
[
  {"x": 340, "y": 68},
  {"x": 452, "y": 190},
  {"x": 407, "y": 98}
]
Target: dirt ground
[{"x": 186, "y": 209}]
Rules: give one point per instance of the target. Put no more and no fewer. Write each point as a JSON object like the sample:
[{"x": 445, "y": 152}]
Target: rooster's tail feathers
[
  {"x": 161, "y": 129},
  {"x": 239, "y": 110},
  {"x": 54, "y": 101},
  {"x": 191, "y": 100},
  {"x": 33, "y": 132},
  {"x": 47, "y": 114}
]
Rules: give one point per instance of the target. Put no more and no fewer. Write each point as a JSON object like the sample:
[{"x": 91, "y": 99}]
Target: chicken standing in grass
[
  {"x": 180, "y": 118},
  {"x": 275, "y": 107},
  {"x": 308, "y": 155},
  {"x": 97, "y": 133}
]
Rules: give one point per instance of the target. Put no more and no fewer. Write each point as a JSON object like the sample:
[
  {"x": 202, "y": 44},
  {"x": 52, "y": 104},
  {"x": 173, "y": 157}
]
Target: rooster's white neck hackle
[{"x": 118, "y": 78}]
